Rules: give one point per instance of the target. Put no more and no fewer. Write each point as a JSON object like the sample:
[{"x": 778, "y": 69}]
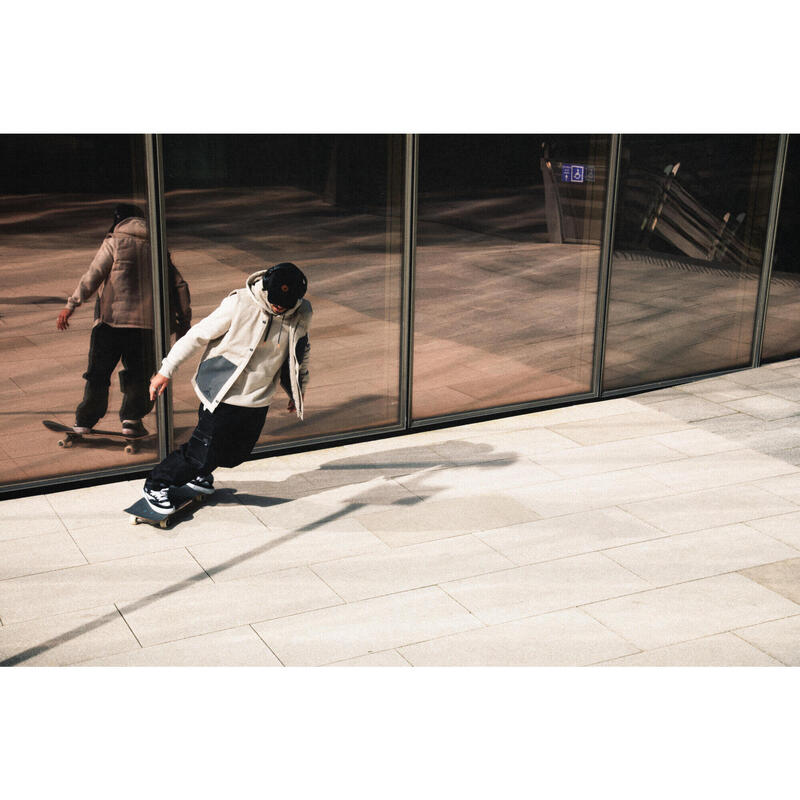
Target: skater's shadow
[{"x": 418, "y": 467}]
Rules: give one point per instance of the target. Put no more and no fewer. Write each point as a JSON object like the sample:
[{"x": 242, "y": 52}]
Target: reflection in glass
[
  {"x": 690, "y": 229},
  {"x": 332, "y": 205},
  {"x": 782, "y": 329},
  {"x": 507, "y": 263},
  {"x": 57, "y": 215}
]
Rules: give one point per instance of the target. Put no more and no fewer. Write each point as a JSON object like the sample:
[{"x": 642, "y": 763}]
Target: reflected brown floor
[{"x": 525, "y": 332}]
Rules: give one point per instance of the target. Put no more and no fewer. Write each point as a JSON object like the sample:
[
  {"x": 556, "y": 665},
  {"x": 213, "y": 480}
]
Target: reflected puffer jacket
[
  {"x": 243, "y": 352},
  {"x": 122, "y": 267}
]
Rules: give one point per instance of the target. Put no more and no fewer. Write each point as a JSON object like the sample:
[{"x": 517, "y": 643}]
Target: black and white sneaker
[
  {"x": 202, "y": 483},
  {"x": 133, "y": 428},
  {"x": 158, "y": 500}
]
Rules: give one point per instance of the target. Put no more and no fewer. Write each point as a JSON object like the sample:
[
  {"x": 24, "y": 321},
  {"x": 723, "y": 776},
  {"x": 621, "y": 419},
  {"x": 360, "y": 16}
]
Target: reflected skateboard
[
  {"x": 131, "y": 446},
  {"x": 182, "y": 497}
]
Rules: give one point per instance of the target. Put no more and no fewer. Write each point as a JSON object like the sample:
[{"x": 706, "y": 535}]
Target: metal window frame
[
  {"x": 160, "y": 272},
  {"x": 410, "y": 192},
  {"x": 607, "y": 252},
  {"x": 765, "y": 279}
]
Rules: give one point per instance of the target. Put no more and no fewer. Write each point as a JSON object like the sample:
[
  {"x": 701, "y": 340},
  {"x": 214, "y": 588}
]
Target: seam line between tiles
[
  {"x": 263, "y": 640},
  {"x": 758, "y": 647},
  {"x": 128, "y": 626},
  {"x": 194, "y": 558}
]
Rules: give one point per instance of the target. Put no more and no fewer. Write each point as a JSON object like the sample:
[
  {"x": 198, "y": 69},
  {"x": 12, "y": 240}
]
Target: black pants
[
  {"x": 222, "y": 438},
  {"x": 107, "y": 346}
]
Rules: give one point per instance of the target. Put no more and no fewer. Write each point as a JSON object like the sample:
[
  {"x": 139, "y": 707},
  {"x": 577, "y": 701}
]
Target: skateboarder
[
  {"x": 255, "y": 339},
  {"x": 123, "y": 326}
]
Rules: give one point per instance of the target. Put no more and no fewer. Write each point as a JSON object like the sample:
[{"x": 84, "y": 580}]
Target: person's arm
[
  {"x": 181, "y": 301},
  {"x": 198, "y": 336},
  {"x": 90, "y": 282}
]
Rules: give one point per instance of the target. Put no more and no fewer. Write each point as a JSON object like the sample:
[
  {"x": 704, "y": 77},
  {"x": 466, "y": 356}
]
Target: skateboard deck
[
  {"x": 131, "y": 442},
  {"x": 181, "y": 496}
]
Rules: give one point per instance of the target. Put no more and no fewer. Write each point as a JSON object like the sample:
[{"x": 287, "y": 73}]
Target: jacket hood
[
  {"x": 132, "y": 226},
  {"x": 260, "y": 296}
]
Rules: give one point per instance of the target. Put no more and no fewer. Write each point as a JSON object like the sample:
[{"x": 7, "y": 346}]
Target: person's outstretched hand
[
  {"x": 62, "y": 323},
  {"x": 158, "y": 383}
]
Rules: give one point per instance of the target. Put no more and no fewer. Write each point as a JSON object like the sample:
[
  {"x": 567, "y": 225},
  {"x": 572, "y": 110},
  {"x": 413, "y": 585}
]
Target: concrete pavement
[{"x": 660, "y": 529}]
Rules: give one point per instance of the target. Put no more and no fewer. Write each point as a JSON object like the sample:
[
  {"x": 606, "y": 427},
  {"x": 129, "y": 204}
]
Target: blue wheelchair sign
[{"x": 574, "y": 173}]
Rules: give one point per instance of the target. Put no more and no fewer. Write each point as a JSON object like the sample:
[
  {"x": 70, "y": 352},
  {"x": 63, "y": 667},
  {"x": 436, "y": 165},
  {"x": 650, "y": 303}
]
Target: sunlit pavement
[{"x": 661, "y": 529}]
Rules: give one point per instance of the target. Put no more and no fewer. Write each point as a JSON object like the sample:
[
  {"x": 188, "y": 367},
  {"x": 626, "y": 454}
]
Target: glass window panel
[
  {"x": 689, "y": 236},
  {"x": 782, "y": 329},
  {"x": 56, "y": 209},
  {"x": 507, "y": 264},
  {"x": 333, "y": 205}
]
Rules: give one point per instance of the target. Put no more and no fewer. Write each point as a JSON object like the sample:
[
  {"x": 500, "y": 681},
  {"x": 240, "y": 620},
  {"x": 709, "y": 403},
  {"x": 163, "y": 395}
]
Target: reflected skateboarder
[
  {"x": 255, "y": 339},
  {"x": 120, "y": 274}
]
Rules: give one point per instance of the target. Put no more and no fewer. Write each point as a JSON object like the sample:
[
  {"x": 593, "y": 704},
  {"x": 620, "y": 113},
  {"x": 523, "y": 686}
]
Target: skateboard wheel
[
  {"x": 163, "y": 524},
  {"x": 135, "y": 520},
  {"x": 61, "y": 443},
  {"x": 66, "y": 443},
  {"x": 130, "y": 449}
]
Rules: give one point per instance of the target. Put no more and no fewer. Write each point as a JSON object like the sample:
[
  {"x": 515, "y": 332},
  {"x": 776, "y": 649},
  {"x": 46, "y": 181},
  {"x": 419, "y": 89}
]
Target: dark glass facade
[
  {"x": 333, "y": 205},
  {"x": 451, "y": 275},
  {"x": 690, "y": 232},
  {"x": 507, "y": 263},
  {"x": 57, "y": 205}
]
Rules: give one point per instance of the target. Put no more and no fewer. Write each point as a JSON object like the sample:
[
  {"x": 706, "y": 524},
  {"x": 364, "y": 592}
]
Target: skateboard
[
  {"x": 181, "y": 496},
  {"x": 131, "y": 446}
]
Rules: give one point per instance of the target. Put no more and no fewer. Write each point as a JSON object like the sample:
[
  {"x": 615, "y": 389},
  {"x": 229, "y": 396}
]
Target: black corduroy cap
[{"x": 284, "y": 284}]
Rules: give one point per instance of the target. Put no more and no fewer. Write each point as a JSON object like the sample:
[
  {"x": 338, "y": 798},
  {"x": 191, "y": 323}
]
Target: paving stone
[
  {"x": 780, "y": 639},
  {"x": 785, "y": 486},
  {"x": 784, "y": 527},
  {"x": 438, "y": 519},
  {"x": 765, "y": 406},
  {"x": 569, "y": 535},
  {"x": 369, "y": 626},
  {"x": 691, "y": 409},
  {"x": 539, "y": 588},
  {"x": 65, "y": 638},
  {"x": 721, "y": 650},
  {"x": 696, "y": 442},
  {"x": 274, "y": 550},
  {"x": 573, "y": 495},
  {"x": 90, "y": 585},
  {"x": 694, "y": 511},
  {"x": 688, "y": 556},
  {"x": 717, "y": 469},
  {"x": 563, "y": 638},
  {"x": 633, "y": 425},
  {"x": 414, "y": 566},
  {"x": 457, "y": 482},
  {"x": 782, "y": 577},
  {"x": 23, "y": 517},
  {"x": 208, "y": 522},
  {"x": 237, "y": 647},
  {"x": 388, "y": 658},
  {"x": 673, "y": 614},
  {"x": 608, "y": 457},
  {"x": 42, "y": 553},
  {"x": 208, "y": 607}
]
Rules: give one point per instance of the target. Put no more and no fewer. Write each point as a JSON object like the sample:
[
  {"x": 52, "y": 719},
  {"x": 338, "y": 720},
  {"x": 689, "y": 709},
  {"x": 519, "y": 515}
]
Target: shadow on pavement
[{"x": 356, "y": 469}]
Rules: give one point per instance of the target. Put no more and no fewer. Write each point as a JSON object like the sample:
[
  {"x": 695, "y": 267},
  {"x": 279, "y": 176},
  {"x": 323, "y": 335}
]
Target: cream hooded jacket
[{"x": 248, "y": 350}]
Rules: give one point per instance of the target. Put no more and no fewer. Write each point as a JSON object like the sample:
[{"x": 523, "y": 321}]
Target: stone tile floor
[{"x": 660, "y": 529}]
